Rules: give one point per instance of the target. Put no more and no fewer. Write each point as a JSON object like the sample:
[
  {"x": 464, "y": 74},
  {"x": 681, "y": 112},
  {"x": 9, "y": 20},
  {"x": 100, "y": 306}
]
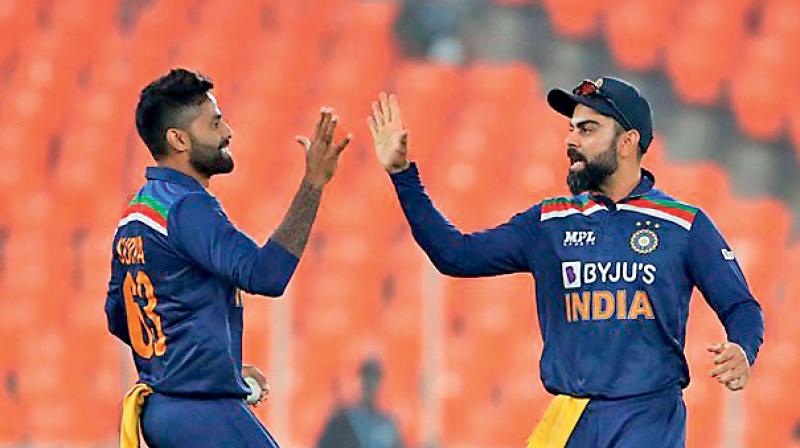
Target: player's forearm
[
  {"x": 294, "y": 231},
  {"x": 444, "y": 244}
]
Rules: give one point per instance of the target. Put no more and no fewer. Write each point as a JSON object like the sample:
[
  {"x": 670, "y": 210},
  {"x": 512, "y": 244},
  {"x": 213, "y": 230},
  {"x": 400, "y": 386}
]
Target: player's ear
[
  {"x": 178, "y": 140},
  {"x": 629, "y": 144}
]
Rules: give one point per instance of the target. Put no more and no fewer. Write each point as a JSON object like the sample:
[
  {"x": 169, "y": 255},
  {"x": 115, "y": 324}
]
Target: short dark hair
[{"x": 162, "y": 102}]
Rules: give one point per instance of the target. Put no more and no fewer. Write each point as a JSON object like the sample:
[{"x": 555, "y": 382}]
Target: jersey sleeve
[
  {"x": 199, "y": 230},
  {"x": 496, "y": 251},
  {"x": 115, "y": 304},
  {"x": 719, "y": 277}
]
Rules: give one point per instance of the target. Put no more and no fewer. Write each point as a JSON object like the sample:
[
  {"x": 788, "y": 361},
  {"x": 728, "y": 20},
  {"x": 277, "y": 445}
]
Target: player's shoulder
[
  {"x": 660, "y": 204},
  {"x": 564, "y": 206},
  {"x": 155, "y": 202}
]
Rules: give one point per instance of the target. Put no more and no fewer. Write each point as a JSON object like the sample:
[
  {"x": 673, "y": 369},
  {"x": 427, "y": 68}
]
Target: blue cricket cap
[{"x": 612, "y": 97}]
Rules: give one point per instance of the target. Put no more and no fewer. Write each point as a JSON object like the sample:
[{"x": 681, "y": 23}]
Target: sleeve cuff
[
  {"x": 749, "y": 352},
  {"x": 277, "y": 265},
  {"x": 283, "y": 255},
  {"x": 408, "y": 175}
]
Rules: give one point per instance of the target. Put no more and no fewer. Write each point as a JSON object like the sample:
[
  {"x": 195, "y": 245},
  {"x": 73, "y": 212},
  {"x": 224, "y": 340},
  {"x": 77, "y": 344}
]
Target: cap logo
[{"x": 599, "y": 83}]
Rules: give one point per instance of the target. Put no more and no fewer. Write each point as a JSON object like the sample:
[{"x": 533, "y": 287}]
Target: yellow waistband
[
  {"x": 558, "y": 422},
  {"x": 131, "y": 410}
]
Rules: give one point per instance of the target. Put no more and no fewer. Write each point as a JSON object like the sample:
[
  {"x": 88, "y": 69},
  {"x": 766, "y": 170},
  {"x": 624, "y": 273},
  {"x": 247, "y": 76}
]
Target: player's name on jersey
[
  {"x": 604, "y": 305},
  {"x": 130, "y": 250}
]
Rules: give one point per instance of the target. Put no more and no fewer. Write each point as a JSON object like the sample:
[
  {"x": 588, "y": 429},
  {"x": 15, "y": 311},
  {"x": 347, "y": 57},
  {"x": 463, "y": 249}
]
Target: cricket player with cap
[{"x": 615, "y": 264}]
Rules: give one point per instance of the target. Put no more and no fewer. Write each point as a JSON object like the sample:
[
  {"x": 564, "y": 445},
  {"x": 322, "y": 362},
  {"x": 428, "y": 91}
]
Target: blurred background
[{"x": 452, "y": 363}]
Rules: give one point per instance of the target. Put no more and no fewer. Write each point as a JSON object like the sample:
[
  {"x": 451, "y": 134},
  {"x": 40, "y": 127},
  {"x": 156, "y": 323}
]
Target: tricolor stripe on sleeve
[{"x": 148, "y": 211}]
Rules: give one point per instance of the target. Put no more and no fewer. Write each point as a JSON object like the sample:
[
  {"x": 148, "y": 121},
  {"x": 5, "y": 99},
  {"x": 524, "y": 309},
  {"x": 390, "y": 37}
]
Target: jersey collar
[
  {"x": 173, "y": 176},
  {"x": 646, "y": 183}
]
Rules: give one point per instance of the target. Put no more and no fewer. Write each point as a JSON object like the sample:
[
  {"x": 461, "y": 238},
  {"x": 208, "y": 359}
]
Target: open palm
[{"x": 391, "y": 139}]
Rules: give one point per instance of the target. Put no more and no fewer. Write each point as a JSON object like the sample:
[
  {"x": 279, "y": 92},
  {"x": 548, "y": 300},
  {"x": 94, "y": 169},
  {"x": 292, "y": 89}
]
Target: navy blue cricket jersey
[
  {"x": 613, "y": 281},
  {"x": 174, "y": 295}
]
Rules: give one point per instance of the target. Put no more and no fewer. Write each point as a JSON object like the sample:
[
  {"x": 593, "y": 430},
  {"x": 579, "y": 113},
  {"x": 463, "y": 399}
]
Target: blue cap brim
[{"x": 564, "y": 103}]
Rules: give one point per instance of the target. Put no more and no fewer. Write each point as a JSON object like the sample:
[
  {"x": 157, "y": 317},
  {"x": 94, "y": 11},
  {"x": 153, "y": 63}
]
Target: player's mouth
[
  {"x": 576, "y": 159},
  {"x": 224, "y": 147}
]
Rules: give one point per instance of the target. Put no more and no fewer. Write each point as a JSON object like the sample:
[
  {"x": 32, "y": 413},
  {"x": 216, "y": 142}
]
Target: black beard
[
  {"x": 595, "y": 172},
  {"x": 209, "y": 160}
]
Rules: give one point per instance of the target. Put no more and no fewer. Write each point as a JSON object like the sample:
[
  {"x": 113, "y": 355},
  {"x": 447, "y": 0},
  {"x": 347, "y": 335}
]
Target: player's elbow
[
  {"x": 275, "y": 291},
  {"x": 448, "y": 265},
  {"x": 274, "y": 288},
  {"x": 448, "y": 257}
]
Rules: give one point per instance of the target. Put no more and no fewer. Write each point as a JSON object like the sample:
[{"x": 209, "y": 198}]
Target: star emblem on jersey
[{"x": 644, "y": 240}]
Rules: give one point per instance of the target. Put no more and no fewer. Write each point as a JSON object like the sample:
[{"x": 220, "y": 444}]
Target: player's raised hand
[
  {"x": 732, "y": 368},
  {"x": 391, "y": 139},
  {"x": 322, "y": 156}
]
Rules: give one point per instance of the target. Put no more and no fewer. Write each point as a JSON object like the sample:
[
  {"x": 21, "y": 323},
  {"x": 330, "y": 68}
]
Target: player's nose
[{"x": 572, "y": 140}]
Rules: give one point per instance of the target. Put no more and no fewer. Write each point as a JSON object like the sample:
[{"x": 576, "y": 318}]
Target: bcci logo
[{"x": 644, "y": 241}]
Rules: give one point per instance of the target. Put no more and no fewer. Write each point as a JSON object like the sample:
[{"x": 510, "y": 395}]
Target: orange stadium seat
[
  {"x": 11, "y": 429},
  {"x": 503, "y": 85},
  {"x": 25, "y": 162},
  {"x": 86, "y": 166},
  {"x": 794, "y": 129},
  {"x": 689, "y": 182},
  {"x": 18, "y": 19},
  {"x": 480, "y": 316},
  {"x": 428, "y": 96},
  {"x": 758, "y": 106},
  {"x": 779, "y": 18},
  {"x": 770, "y": 418},
  {"x": 758, "y": 252},
  {"x": 152, "y": 41},
  {"x": 703, "y": 397},
  {"x": 539, "y": 164},
  {"x": 697, "y": 67},
  {"x": 575, "y": 18},
  {"x": 637, "y": 31},
  {"x": 74, "y": 26},
  {"x": 697, "y": 61}
]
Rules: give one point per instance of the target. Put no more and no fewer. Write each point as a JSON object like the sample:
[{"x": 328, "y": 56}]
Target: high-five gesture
[
  {"x": 391, "y": 139},
  {"x": 322, "y": 156}
]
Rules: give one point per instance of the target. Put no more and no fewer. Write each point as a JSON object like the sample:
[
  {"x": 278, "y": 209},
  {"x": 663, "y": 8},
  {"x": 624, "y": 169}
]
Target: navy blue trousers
[
  {"x": 656, "y": 420},
  {"x": 169, "y": 422}
]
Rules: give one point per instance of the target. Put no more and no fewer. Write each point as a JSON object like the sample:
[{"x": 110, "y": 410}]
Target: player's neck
[
  {"x": 186, "y": 169},
  {"x": 620, "y": 184}
]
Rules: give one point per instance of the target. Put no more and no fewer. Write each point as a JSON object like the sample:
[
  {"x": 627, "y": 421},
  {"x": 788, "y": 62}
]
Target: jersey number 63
[{"x": 145, "y": 320}]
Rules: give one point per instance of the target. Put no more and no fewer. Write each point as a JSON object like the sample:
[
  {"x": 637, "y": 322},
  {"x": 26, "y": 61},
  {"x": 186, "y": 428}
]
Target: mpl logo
[{"x": 579, "y": 238}]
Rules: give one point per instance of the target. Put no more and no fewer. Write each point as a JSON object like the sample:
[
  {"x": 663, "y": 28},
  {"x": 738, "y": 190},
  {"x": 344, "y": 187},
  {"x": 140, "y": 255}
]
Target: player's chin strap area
[
  {"x": 131, "y": 410},
  {"x": 559, "y": 421}
]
